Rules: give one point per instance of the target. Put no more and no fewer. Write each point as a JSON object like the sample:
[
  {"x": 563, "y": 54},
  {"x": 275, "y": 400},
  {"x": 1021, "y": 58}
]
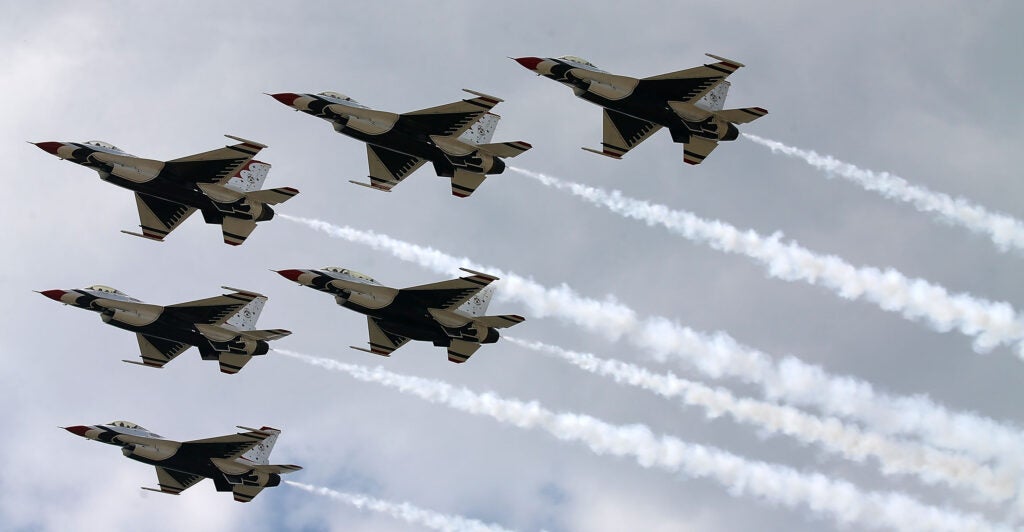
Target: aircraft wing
[
  {"x": 156, "y": 351},
  {"x": 226, "y": 447},
  {"x": 382, "y": 342},
  {"x": 388, "y": 167},
  {"x": 691, "y": 84},
  {"x": 452, "y": 119},
  {"x": 174, "y": 482},
  {"x": 158, "y": 217},
  {"x": 449, "y": 295},
  {"x": 216, "y": 166},
  {"x": 623, "y": 133},
  {"x": 213, "y": 310},
  {"x": 695, "y": 151}
]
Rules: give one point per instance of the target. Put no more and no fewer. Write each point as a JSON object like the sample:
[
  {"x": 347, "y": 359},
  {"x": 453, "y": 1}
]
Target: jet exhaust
[
  {"x": 777, "y": 484},
  {"x": 719, "y": 355},
  {"x": 990, "y": 323},
  {"x": 1005, "y": 231},
  {"x": 403, "y": 511},
  {"x": 894, "y": 456}
]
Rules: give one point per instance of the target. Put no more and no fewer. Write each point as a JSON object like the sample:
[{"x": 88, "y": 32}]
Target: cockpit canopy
[
  {"x": 578, "y": 61},
  {"x": 339, "y": 97},
  {"x": 106, "y": 290},
  {"x": 350, "y": 273},
  {"x": 126, "y": 425},
  {"x": 105, "y": 145}
]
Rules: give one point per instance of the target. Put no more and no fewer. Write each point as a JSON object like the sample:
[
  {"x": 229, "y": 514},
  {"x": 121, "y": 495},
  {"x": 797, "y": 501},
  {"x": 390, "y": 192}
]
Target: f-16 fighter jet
[
  {"x": 224, "y": 184},
  {"x": 448, "y": 313},
  {"x": 454, "y": 137},
  {"x": 687, "y": 102},
  {"x": 238, "y": 463},
  {"x": 222, "y": 327}
]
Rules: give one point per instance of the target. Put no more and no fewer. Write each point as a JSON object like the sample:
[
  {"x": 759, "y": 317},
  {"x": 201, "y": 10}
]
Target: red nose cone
[
  {"x": 291, "y": 275},
  {"x": 50, "y": 147},
  {"x": 77, "y": 429},
  {"x": 54, "y": 294},
  {"x": 286, "y": 98},
  {"x": 529, "y": 62}
]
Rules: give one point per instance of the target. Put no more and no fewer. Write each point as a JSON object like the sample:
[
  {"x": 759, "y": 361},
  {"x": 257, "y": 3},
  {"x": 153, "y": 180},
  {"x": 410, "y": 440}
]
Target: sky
[{"x": 922, "y": 90}]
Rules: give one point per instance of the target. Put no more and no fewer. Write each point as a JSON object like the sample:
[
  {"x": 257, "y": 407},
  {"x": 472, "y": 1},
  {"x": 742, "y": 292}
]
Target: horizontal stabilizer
[
  {"x": 506, "y": 149},
  {"x": 267, "y": 335},
  {"x": 741, "y": 116},
  {"x": 273, "y": 196},
  {"x": 280, "y": 469},
  {"x": 460, "y": 350},
  {"x": 502, "y": 321},
  {"x": 236, "y": 230},
  {"x": 231, "y": 363},
  {"x": 465, "y": 183}
]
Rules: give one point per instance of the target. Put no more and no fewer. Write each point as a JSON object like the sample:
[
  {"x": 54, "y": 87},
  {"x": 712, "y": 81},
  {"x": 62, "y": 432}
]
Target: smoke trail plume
[
  {"x": 895, "y": 457},
  {"x": 404, "y": 511},
  {"x": 990, "y": 323},
  {"x": 839, "y": 500},
  {"x": 717, "y": 355},
  {"x": 1005, "y": 231}
]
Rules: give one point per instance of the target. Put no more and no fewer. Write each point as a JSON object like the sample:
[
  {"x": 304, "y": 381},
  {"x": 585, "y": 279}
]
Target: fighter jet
[
  {"x": 222, "y": 327},
  {"x": 238, "y": 463},
  {"x": 448, "y": 313},
  {"x": 224, "y": 184},
  {"x": 454, "y": 137},
  {"x": 688, "y": 103}
]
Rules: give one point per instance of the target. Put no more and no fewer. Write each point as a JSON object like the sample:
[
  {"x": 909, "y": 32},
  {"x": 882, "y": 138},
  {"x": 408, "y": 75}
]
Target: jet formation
[
  {"x": 226, "y": 186},
  {"x": 448, "y": 314},
  {"x": 223, "y": 184},
  {"x": 686, "y": 102},
  {"x": 454, "y": 137},
  {"x": 239, "y": 463},
  {"x": 222, "y": 327}
]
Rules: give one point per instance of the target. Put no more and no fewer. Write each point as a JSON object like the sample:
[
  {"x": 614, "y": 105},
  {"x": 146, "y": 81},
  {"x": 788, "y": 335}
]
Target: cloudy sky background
[{"x": 925, "y": 91}]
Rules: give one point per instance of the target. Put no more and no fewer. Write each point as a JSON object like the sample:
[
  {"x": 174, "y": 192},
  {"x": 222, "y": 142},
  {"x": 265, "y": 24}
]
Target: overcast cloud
[{"x": 925, "y": 91}]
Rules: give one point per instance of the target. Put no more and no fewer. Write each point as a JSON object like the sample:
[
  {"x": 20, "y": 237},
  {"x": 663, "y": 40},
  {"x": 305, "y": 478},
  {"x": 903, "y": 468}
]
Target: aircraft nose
[
  {"x": 287, "y": 98},
  {"x": 529, "y": 62},
  {"x": 291, "y": 275},
  {"x": 49, "y": 147},
  {"x": 80, "y": 430},
  {"x": 55, "y": 295}
]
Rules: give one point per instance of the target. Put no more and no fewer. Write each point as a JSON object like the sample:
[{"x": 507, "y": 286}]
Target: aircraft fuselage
[
  {"x": 175, "y": 184},
  {"x": 402, "y": 134}
]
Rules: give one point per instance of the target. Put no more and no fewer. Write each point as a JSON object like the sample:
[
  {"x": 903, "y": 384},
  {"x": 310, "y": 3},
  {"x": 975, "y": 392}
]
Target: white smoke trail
[
  {"x": 895, "y": 457},
  {"x": 990, "y": 323},
  {"x": 1006, "y": 231},
  {"x": 840, "y": 500},
  {"x": 404, "y": 511},
  {"x": 717, "y": 355}
]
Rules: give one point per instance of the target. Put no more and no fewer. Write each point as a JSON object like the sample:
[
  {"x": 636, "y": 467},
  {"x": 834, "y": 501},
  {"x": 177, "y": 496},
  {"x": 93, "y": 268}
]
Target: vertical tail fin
[
  {"x": 249, "y": 177},
  {"x": 260, "y": 454},
  {"x": 245, "y": 318},
  {"x": 482, "y": 131},
  {"x": 477, "y": 305},
  {"x": 714, "y": 100}
]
